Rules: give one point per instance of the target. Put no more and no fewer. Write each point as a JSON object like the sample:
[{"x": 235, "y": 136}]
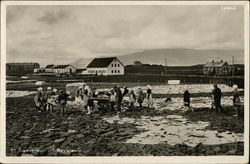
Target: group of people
[
  {"x": 85, "y": 95},
  {"x": 216, "y": 99},
  {"x": 117, "y": 96},
  {"x": 46, "y": 99}
]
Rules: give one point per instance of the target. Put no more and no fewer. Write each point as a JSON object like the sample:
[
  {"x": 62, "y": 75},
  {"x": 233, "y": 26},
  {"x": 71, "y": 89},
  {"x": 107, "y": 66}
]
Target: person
[
  {"x": 85, "y": 100},
  {"x": 132, "y": 99},
  {"x": 112, "y": 99},
  {"x": 79, "y": 95},
  {"x": 216, "y": 94},
  {"x": 38, "y": 98},
  {"x": 125, "y": 92},
  {"x": 186, "y": 98},
  {"x": 149, "y": 98},
  {"x": 49, "y": 99},
  {"x": 140, "y": 97},
  {"x": 62, "y": 99},
  {"x": 119, "y": 97},
  {"x": 90, "y": 103},
  {"x": 236, "y": 100}
]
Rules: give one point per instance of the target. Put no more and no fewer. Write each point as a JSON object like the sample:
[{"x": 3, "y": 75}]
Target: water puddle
[
  {"x": 18, "y": 93},
  {"x": 174, "y": 129},
  {"x": 197, "y": 102}
]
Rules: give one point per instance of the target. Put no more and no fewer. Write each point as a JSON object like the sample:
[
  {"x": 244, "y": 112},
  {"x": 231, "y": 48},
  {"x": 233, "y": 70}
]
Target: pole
[
  {"x": 166, "y": 63},
  {"x": 232, "y": 65}
]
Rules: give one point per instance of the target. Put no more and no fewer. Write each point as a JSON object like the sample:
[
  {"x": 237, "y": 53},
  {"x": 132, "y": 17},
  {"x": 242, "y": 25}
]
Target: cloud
[
  {"x": 64, "y": 32},
  {"x": 53, "y": 17}
]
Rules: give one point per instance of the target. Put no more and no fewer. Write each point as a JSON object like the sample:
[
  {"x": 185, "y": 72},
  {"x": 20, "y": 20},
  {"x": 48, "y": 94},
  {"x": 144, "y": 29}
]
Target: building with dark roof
[
  {"x": 21, "y": 68},
  {"x": 217, "y": 68},
  {"x": 49, "y": 68},
  {"x": 64, "y": 69},
  {"x": 105, "y": 66}
]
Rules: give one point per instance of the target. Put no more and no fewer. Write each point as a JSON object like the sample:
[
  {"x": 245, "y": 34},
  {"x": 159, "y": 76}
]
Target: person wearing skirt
[
  {"x": 38, "y": 98},
  {"x": 149, "y": 98}
]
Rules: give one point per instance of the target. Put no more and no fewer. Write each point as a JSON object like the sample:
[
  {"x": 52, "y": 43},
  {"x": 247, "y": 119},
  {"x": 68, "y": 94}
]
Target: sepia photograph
[{"x": 124, "y": 79}]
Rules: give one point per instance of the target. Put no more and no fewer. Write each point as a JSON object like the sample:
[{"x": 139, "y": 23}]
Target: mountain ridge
[{"x": 174, "y": 57}]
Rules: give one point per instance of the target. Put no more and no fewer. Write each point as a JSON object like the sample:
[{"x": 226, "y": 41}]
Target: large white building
[{"x": 105, "y": 66}]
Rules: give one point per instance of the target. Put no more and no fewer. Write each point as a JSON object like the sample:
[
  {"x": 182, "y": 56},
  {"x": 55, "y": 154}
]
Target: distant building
[
  {"x": 64, "y": 69},
  {"x": 49, "y": 68},
  {"x": 219, "y": 68},
  {"x": 21, "y": 68},
  {"x": 105, "y": 66}
]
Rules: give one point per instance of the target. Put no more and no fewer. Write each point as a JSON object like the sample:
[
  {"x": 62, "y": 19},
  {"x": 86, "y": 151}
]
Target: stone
[
  {"x": 59, "y": 140},
  {"x": 231, "y": 152},
  {"x": 24, "y": 137},
  {"x": 79, "y": 135},
  {"x": 72, "y": 131}
]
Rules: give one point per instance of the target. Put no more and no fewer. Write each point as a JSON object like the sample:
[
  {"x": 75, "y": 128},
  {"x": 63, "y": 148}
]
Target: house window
[
  {"x": 111, "y": 65},
  {"x": 115, "y": 71},
  {"x": 112, "y": 70},
  {"x": 118, "y": 65},
  {"x": 115, "y": 65},
  {"x": 118, "y": 71}
]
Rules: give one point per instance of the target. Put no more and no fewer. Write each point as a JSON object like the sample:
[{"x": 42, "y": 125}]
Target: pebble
[{"x": 59, "y": 140}]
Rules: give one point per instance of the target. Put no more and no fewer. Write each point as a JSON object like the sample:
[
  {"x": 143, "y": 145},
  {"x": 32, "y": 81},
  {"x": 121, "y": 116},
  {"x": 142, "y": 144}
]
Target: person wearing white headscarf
[
  {"x": 236, "y": 100},
  {"x": 132, "y": 99},
  {"x": 149, "y": 98},
  {"x": 38, "y": 98}
]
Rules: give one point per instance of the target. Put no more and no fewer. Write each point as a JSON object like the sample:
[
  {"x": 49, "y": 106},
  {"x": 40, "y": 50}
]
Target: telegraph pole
[
  {"x": 232, "y": 65},
  {"x": 166, "y": 63}
]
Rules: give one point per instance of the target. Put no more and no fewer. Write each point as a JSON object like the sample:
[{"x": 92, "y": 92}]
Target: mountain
[
  {"x": 174, "y": 57},
  {"x": 179, "y": 57},
  {"x": 82, "y": 62}
]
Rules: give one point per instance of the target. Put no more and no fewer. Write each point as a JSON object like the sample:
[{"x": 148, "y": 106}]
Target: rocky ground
[{"x": 34, "y": 133}]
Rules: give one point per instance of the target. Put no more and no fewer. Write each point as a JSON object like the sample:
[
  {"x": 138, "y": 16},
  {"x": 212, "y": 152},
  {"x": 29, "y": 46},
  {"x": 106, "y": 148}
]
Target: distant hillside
[
  {"x": 174, "y": 57},
  {"x": 183, "y": 56},
  {"x": 82, "y": 62}
]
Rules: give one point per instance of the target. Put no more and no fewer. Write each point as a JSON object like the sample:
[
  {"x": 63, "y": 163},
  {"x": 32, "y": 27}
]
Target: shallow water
[
  {"x": 179, "y": 89},
  {"x": 18, "y": 93},
  {"x": 197, "y": 102},
  {"x": 174, "y": 129}
]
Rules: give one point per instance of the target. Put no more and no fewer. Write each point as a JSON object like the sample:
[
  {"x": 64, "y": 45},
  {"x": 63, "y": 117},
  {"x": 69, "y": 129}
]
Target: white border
[{"x": 144, "y": 160}]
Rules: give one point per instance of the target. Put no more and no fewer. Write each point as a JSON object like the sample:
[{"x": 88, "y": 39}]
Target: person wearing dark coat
[
  {"x": 217, "y": 98},
  {"x": 62, "y": 99},
  {"x": 125, "y": 92},
  {"x": 118, "y": 97},
  {"x": 186, "y": 98}
]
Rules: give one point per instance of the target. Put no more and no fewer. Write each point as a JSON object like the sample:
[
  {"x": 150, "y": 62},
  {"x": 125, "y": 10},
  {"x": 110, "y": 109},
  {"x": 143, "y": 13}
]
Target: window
[
  {"x": 112, "y": 66},
  {"x": 115, "y": 65},
  {"x": 115, "y": 71},
  {"x": 118, "y": 65},
  {"x": 112, "y": 71},
  {"x": 118, "y": 71}
]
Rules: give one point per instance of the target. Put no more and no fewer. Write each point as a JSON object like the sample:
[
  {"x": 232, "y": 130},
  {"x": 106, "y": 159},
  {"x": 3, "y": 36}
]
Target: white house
[
  {"x": 64, "y": 69},
  {"x": 105, "y": 66},
  {"x": 49, "y": 68}
]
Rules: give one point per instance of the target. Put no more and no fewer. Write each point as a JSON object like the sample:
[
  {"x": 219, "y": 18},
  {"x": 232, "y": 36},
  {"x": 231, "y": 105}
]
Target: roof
[
  {"x": 61, "y": 66},
  {"x": 50, "y": 66},
  {"x": 101, "y": 62},
  {"x": 215, "y": 64}
]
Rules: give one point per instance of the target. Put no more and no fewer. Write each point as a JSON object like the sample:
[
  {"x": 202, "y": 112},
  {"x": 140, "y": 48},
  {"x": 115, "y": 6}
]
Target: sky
[{"x": 62, "y": 34}]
